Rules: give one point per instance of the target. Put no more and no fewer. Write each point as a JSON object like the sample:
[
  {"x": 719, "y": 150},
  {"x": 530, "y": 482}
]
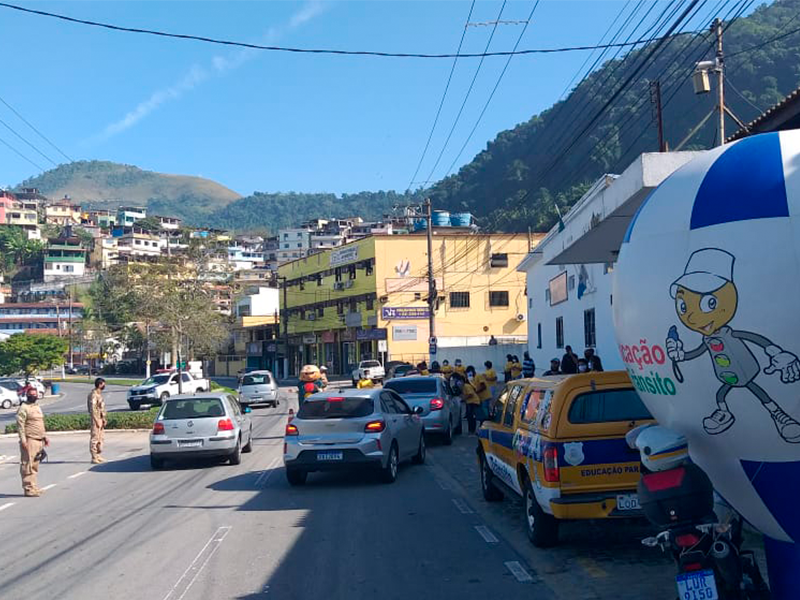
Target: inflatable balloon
[{"x": 707, "y": 317}]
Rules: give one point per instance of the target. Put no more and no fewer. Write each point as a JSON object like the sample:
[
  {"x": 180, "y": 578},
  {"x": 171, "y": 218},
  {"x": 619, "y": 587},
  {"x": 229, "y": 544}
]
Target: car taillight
[
  {"x": 687, "y": 540},
  {"x": 225, "y": 425},
  {"x": 693, "y": 567},
  {"x": 158, "y": 428},
  {"x": 375, "y": 426},
  {"x": 437, "y": 404},
  {"x": 336, "y": 399},
  {"x": 551, "y": 464},
  {"x": 664, "y": 480},
  {"x": 292, "y": 429}
]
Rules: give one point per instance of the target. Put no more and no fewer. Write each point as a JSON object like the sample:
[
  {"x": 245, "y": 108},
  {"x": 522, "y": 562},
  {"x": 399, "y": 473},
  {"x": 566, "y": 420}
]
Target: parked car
[
  {"x": 368, "y": 369},
  {"x": 399, "y": 370},
  {"x": 82, "y": 370},
  {"x": 158, "y": 388},
  {"x": 356, "y": 429},
  {"x": 258, "y": 387},
  {"x": 9, "y": 397},
  {"x": 210, "y": 425},
  {"x": 559, "y": 443},
  {"x": 442, "y": 411},
  {"x": 20, "y": 385}
]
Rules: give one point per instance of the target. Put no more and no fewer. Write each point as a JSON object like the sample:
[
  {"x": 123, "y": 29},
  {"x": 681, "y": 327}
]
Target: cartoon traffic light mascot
[
  {"x": 309, "y": 382},
  {"x": 706, "y": 300}
]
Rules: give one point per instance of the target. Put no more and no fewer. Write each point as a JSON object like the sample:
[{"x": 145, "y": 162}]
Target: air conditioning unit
[
  {"x": 349, "y": 283},
  {"x": 339, "y": 285},
  {"x": 383, "y": 299},
  {"x": 521, "y": 317},
  {"x": 311, "y": 317}
]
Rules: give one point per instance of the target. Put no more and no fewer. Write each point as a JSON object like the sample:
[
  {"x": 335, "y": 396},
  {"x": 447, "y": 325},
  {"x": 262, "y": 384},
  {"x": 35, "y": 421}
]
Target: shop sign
[
  {"x": 272, "y": 348},
  {"x": 353, "y": 319},
  {"x": 328, "y": 337},
  {"x": 341, "y": 256},
  {"x": 348, "y": 335},
  {"x": 405, "y": 312},
  {"x": 404, "y": 333},
  {"x": 371, "y": 334},
  {"x": 253, "y": 348},
  {"x": 309, "y": 338}
]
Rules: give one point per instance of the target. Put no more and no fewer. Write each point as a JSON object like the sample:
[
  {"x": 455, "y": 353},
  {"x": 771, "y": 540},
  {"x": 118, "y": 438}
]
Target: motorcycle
[{"x": 677, "y": 496}]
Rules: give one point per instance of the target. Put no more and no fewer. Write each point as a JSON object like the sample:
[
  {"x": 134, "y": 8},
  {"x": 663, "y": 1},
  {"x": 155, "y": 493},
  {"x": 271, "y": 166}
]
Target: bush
[
  {"x": 215, "y": 387},
  {"x": 116, "y": 420}
]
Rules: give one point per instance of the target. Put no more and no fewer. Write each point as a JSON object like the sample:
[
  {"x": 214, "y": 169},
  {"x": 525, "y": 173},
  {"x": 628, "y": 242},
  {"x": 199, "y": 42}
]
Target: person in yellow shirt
[
  {"x": 460, "y": 368},
  {"x": 447, "y": 370},
  {"x": 490, "y": 375},
  {"x": 365, "y": 383},
  {"x": 484, "y": 391},
  {"x": 423, "y": 368},
  {"x": 507, "y": 368},
  {"x": 516, "y": 368},
  {"x": 470, "y": 397}
]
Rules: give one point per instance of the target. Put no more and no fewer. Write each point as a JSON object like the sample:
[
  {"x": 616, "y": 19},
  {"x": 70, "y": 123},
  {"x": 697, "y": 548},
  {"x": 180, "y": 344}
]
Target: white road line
[
  {"x": 7, "y": 505},
  {"x": 444, "y": 485},
  {"x": 49, "y": 487},
  {"x": 486, "y": 534},
  {"x": 270, "y": 470},
  {"x": 77, "y": 475},
  {"x": 462, "y": 506},
  {"x": 189, "y": 576},
  {"x": 518, "y": 571}
]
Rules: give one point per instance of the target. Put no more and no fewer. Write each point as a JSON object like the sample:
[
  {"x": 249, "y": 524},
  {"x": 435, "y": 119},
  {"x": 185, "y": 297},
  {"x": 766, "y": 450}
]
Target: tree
[{"x": 29, "y": 353}]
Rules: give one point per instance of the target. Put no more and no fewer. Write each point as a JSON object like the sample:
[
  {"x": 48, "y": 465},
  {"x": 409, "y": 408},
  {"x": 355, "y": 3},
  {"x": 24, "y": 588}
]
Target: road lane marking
[
  {"x": 48, "y": 487},
  {"x": 486, "y": 534},
  {"x": 518, "y": 571},
  {"x": 77, "y": 475},
  {"x": 184, "y": 584},
  {"x": 444, "y": 485},
  {"x": 462, "y": 506},
  {"x": 7, "y": 505},
  {"x": 264, "y": 476}
]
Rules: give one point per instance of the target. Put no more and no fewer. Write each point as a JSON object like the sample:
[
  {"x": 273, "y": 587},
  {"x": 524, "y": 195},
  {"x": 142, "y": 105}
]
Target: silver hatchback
[
  {"x": 258, "y": 387},
  {"x": 351, "y": 430},
  {"x": 211, "y": 425},
  {"x": 442, "y": 411}
]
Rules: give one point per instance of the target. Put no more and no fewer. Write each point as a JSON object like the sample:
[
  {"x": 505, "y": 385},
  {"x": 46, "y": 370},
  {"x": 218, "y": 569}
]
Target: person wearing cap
[
  {"x": 706, "y": 300},
  {"x": 447, "y": 370},
  {"x": 97, "y": 420},
  {"x": 555, "y": 368},
  {"x": 460, "y": 368},
  {"x": 32, "y": 440}
]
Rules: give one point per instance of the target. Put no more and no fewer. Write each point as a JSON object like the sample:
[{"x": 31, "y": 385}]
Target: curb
[{"x": 74, "y": 431}]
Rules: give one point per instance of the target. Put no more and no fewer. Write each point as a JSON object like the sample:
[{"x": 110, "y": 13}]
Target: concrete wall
[{"x": 477, "y": 355}]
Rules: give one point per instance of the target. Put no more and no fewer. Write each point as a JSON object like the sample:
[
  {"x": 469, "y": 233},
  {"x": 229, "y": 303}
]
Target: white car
[
  {"x": 368, "y": 369},
  {"x": 8, "y": 397},
  {"x": 20, "y": 383},
  {"x": 258, "y": 387},
  {"x": 155, "y": 390}
]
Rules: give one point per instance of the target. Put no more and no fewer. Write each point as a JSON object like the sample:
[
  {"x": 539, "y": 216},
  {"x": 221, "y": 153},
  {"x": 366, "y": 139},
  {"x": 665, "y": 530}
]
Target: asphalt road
[{"x": 215, "y": 531}]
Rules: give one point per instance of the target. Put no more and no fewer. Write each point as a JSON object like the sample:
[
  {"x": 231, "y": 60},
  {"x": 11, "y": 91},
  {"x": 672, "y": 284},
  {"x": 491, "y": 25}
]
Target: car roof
[
  {"x": 203, "y": 396},
  {"x": 351, "y": 393},
  {"x": 259, "y": 372},
  {"x": 578, "y": 379},
  {"x": 433, "y": 377}
]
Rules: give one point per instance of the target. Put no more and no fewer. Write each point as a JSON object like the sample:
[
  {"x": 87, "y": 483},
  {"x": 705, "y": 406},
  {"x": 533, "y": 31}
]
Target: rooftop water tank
[{"x": 441, "y": 218}]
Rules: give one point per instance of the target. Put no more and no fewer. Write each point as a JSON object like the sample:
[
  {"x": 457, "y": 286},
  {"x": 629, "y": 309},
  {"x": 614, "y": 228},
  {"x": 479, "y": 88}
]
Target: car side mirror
[
  {"x": 247, "y": 410},
  {"x": 417, "y": 410}
]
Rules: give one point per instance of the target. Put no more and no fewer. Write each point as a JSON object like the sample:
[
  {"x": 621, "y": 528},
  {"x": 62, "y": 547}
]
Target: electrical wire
[
  {"x": 39, "y": 133},
  {"x": 441, "y": 102},
  {"x": 34, "y": 148},
  {"x": 769, "y": 41},
  {"x": 20, "y": 154}
]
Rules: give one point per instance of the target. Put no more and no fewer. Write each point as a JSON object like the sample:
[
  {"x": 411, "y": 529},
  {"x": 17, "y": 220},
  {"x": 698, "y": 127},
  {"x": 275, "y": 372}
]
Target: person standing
[
  {"x": 470, "y": 397},
  {"x": 460, "y": 368},
  {"x": 569, "y": 362},
  {"x": 484, "y": 391},
  {"x": 555, "y": 369},
  {"x": 492, "y": 340},
  {"x": 583, "y": 365},
  {"x": 528, "y": 366},
  {"x": 595, "y": 364},
  {"x": 507, "y": 368},
  {"x": 516, "y": 368},
  {"x": 447, "y": 370},
  {"x": 490, "y": 375},
  {"x": 97, "y": 420},
  {"x": 323, "y": 376},
  {"x": 32, "y": 440}
]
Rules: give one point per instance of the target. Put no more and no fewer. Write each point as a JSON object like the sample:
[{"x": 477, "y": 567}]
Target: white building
[
  {"x": 570, "y": 272},
  {"x": 259, "y": 302},
  {"x": 293, "y": 244},
  {"x": 128, "y": 215},
  {"x": 138, "y": 243},
  {"x": 241, "y": 259}
]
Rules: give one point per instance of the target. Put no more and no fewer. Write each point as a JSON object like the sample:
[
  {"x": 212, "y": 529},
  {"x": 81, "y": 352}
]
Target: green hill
[
  {"x": 103, "y": 184},
  {"x": 516, "y": 181}
]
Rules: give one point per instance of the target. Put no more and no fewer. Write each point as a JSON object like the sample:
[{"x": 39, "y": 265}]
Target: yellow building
[
  {"x": 63, "y": 212},
  {"x": 368, "y": 298}
]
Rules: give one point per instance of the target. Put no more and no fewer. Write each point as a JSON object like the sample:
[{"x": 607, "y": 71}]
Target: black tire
[
  {"x": 491, "y": 493},
  {"x": 163, "y": 397},
  {"x": 448, "y": 435},
  {"x": 296, "y": 476},
  {"x": 389, "y": 472},
  {"x": 422, "y": 451},
  {"x": 248, "y": 447},
  {"x": 134, "y": 405},
  {"x": 199, "y": 391},
  {"x": 460, "y": 425},
  {"x": 235, "y": 457},
  {"x": 7, "y": 403},
  {"x": 156, "y": 463},
  {"x": 542, "y": 529}
]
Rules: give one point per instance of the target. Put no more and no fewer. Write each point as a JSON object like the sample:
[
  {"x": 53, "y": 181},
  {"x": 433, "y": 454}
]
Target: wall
[{"x": 477, "y": 355}]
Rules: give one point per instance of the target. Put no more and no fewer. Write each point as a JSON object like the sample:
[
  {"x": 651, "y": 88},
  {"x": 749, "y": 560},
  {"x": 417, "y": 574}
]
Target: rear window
[
  {"x": 193, "y": 408},
  {"x": 369, "y": 364},
  {"x": 347, "y": 408},
  {"x": 418, "y": 386},
  {"x": 608, "y": 406},
  {"x": 260, "y": 379}
]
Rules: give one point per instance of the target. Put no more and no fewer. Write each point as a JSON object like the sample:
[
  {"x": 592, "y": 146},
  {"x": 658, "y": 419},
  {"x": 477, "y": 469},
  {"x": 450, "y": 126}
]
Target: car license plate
[
  {"x": 697, "y": 586},
  {"x": 328, "y": 456},
  {"x": 190, "y": 443},
  {"x": 628, "y": 502}
]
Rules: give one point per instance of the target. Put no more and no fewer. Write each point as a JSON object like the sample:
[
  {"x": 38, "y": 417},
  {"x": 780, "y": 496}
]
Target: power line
[
  {"x": 39, "y": 133},
  {"x": 441, "y": 102},
  {"x": 222, "y": 42},
  {"x": 34, "y": 148},
  {"x": 466, "y": 97},
  {"x": 20, "y": 154},
  {"x": 491, "y": 95},
  {"x": 769, "y": 41}
]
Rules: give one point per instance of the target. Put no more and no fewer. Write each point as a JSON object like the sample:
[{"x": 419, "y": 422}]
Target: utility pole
[
  {"x": 71, "y": 356},
  {"x": 717, "y": 25},
  {"x": 285, "y": 319},
  {"x": 431, "y": 280},
  {"x": 655, "y": 98}
]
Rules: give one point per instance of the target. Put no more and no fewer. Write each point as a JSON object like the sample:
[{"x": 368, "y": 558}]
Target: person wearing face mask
[
  {"x": 32, "y": 441},
  {"x": 583, "y": 365},
  {"x": 460, "y": 368},
  {"x": 470, "y": 397},
  {"x": 516, "y": 368},
  {"x": 97, "y": 419},
  {"x": 507, "y": 368}
]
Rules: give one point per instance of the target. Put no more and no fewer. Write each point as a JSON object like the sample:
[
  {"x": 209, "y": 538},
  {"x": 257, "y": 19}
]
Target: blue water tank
[
  {"x": 441, "y": 218},
  {"x": 461, "y": 219},
  {"x": 420, "y": 225}
]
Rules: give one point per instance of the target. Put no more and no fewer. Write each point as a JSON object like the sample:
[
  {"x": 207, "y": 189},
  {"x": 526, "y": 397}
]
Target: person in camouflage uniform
[
  {"x": 98, "y": 420},
  {"x": 32, "y": 440}
]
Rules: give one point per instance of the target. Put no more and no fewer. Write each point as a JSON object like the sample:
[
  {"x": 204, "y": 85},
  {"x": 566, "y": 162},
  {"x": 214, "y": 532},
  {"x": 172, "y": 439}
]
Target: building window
[
  {"x": 539, "y": 335},
  {"x": 337, "y": 272},
  {"x": 340, "y": 308},
  {"x": 321, "y": 312},
  {"x": 319, "y": 280},
  {"x": 608, "y": 268},
  {"x": 417, "y": 296},
  {"x": 285, "y": 236},
  {"x": 530, "y": 303},
  {"x": 299, "y": 245},
  {"x": 369, "y": 268},
  {"x": 302, "y": 315},
  {"x": 498, "y": 298},
  {"x": 571, "y": 282},
  {"x": 370, "y": 303},
  {"x": 547, "y": 295},
  {"x": 352, "y": 271},
  {"x": 559, "y": 332},
  {"x": 353, "y": 306},
  {"x": 498, "y": 260},
  {"x": 459, "y": 299},
  {"x": 589, "y": 334}
]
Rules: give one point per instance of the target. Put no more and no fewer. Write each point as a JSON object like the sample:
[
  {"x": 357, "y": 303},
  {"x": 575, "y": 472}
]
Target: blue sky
[{"x": 273, "y": 121}]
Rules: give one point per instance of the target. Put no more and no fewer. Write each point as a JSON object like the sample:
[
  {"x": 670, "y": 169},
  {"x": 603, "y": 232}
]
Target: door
[
  {"x": 173, "y": 385},
  {"x": 411, "y": 426},
  {"x": 501, "y": 430},
  {"x": 392, "y": 417}
]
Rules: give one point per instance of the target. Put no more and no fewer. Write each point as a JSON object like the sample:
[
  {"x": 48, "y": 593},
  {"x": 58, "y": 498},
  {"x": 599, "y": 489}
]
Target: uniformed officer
[
  {"x": 97, "y": 419},
  {"x": 32, "y": 439}
]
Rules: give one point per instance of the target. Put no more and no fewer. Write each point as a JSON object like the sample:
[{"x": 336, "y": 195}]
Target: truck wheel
[
  {"x": 134, "y": 405},
  {"x": 542, "y": 529},
  {"x": 491, "y": 493},
  {"x": 199, "y": 391}
]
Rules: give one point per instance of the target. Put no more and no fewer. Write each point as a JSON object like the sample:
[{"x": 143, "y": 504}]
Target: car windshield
[
  {"x": 412, "y": 386},
  {"x": 368, "y": 364},
  {"x": 336, "y": 408},
  {"x": 193, "y": 408},
  {"x": 156, "y": 379},
  {"x": 256, "y": 379}
]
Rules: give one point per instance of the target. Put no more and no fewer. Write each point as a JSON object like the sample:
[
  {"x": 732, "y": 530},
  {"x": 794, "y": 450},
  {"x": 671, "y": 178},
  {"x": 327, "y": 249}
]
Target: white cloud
[{"x": 197, "y": 74}]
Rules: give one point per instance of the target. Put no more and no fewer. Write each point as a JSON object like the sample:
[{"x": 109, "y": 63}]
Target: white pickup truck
[
  {"x": 156, "y": 389},
  {"x": 368, "y": 369}
]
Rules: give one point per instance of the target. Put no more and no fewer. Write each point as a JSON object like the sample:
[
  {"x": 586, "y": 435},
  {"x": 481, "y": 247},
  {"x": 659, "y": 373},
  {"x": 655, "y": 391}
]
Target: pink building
[{"x": 7, "y": 200}]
